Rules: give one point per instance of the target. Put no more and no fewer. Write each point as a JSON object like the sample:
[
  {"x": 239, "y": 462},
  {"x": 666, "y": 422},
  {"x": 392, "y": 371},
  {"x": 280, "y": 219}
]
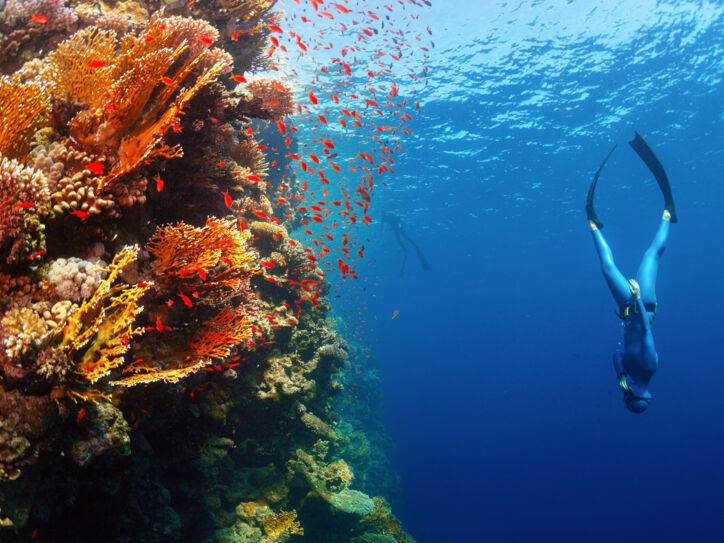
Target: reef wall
[{"x": 168, "y": 364}]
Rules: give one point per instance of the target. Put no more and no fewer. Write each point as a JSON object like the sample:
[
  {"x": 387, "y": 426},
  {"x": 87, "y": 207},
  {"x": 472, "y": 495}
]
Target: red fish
[
  {"x": 26, "y": 205},
  {"x": 313, "y": 98},
  {"x": 227, "y": 198},
  {"x": 40, "y": 18},
  {"x": 37, "y": 254},
  {"x": 254, "y": 178},
  {"x": 96, "y": 64},
  {"x": 81, "y": 414},
  {"x": 159, "y": 182},
  {"x": 167, "y": 80},
  {"x": 239, "y": 78},
  {"x": 185, "y": 299},
  {"x": 95, "y": 167},
  {"x": 207, "y": 41},
  {"x": 82, "y": 215}
]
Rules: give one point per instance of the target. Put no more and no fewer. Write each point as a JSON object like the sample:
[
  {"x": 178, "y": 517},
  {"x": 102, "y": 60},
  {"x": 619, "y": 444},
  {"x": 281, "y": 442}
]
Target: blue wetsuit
[{"x": 636, "y": 364}]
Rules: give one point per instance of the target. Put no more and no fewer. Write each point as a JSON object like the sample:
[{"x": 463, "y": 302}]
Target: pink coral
[
  {"x": 19, "y": 185},
  {"x": 60, "y": 18}
]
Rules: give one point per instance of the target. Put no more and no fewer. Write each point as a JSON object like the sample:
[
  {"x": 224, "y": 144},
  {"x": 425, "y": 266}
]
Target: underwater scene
[{"x": 385, "y": 271}]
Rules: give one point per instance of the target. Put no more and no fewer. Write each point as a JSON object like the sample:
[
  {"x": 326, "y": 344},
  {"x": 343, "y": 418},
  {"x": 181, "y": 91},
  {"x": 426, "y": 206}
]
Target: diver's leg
[
  {"x": 617, "y": 283},
  {"x": 646, "y": 276}
]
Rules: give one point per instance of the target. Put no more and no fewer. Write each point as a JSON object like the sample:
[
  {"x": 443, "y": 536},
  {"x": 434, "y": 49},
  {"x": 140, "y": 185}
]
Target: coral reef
[{"x": 168, "y": 366}]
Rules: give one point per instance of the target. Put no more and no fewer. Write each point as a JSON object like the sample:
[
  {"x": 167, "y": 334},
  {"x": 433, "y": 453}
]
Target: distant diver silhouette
[
  {"x": 400, "y": 234},
  {"x": 636, "y": 298}
]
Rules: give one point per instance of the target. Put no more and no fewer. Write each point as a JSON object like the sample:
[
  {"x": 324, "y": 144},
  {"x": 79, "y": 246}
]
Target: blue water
[{"x": 500, "y": 392}]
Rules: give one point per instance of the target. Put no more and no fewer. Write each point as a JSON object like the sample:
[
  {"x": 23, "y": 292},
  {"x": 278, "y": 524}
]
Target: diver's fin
[
  {"x": 423, "y": 260},
  {"x": 642, "y": 148},
  {"x": 590, "y": 212}
]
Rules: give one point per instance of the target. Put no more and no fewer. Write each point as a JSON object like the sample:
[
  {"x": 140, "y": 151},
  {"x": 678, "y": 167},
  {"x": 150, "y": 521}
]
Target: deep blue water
[{"x": 499, "y": 389}]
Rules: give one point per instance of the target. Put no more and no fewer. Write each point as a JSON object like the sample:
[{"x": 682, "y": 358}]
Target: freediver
[
  {"x": 636, "y": 298},
  {"x": 400, "y": 234}
]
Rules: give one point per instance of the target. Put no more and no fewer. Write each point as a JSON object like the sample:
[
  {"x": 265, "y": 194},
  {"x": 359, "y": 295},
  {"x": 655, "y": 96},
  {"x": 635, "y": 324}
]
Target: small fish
[
  {"x": 81, "y": 414},
  {"x": 227, "y": 198},
  {"x": 275, "y": 28},
  {"x": 313, "y": 98},
  {"x": 82, "y": 215},
  {"x": 95, "y": 167},
  {"x": 159, "y": 182},
  {"x": 39, "y": 18},
  {"x": 149, "y": 38},
  {"x": 37, "y": 254},
  {"x": 254, "y": 178},
  {"x": 239, "y": 78},
  {"x": 207, "y": 41},
  {"x": 167, "y": 80},
  {"x": 222, "y": 164},
  {"x": 26, "y": 205},
  {"x": 95, "y": 64},
  {"x": 394, "y": 314},
  {"x": 159, "y": 324},
  {"x": 185, "y": 299}
]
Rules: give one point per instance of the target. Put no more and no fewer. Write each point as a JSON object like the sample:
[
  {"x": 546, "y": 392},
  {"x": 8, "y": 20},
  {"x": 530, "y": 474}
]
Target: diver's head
[
  {"x": 636, "y": 404},
  {"x": 636, "y": 398}
]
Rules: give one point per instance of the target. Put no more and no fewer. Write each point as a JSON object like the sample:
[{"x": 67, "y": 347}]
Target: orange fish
[
  {"x": 95, "y": 167},
  {"x": 37, "y": 254},
  {"x": 227, "y": 198},
  {"x": 81, "y": 414},
  {"x": 167, "y": 80},
  {"x": 239, "y": 78},
  {"x": 312, "y": 98},
  {"x": 254, "y": 178},
  {"x": 26, "y": 205},
  {"x": 275, "y": 28},
  {"x": 207, "y": 41},
  {"x": 96, "y": 64},
  {"x": 82, "y": 215},
  {"x": 40, "y": 18},
  {"x": 159, "y": 324},
  {"x": 159, "y": 182}
]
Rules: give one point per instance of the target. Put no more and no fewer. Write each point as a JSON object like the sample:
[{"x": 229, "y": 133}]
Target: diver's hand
[{"x": 635, "y": 289}]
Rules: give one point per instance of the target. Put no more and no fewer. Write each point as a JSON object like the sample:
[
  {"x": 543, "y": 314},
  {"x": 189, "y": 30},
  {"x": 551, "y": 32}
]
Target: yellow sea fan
[{"x": 23, "y": 110}]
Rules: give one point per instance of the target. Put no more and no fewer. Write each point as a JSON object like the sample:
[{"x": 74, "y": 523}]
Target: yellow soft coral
[
  {"x": 284, "y": 522},
  {"x": 97, "y": 335}
]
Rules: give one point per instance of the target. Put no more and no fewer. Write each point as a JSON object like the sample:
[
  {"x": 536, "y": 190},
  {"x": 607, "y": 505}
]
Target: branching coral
[
  {"x": 272, "y": 99},
  {"x": 23, "y": 109}
]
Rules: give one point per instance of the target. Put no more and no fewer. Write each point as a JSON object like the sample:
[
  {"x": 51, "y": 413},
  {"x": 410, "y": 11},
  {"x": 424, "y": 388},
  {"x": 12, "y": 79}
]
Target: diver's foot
[
  {"x": 592, "y": 224},
  {"x": 666, "y": 216}
]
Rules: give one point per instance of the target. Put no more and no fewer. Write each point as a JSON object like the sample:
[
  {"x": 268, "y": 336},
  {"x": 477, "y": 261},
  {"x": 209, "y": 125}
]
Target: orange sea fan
[
  {"x": 213, "y": 260},
  {"x": 126, "y": 85},
  {"x": 215, "y": 339}
]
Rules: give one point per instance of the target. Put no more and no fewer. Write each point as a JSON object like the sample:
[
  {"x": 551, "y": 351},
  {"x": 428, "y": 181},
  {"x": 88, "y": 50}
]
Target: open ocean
[{"x": 499, "y": 390}]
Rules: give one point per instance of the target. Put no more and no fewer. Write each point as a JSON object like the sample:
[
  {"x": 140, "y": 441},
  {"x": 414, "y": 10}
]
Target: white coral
[{"x": 75, "y": 279}]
